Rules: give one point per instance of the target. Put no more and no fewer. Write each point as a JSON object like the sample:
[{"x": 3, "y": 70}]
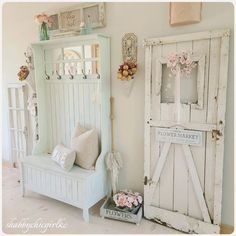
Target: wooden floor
[{"x": 41, "y": 209}]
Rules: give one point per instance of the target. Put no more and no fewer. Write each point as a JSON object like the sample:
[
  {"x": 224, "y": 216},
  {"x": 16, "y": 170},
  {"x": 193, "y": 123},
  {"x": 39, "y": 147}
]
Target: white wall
[{"x": 145, "y": 20}]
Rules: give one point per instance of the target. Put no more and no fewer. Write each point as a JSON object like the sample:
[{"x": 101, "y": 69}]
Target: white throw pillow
[
  {"x": 64, "y": 156},
  {"x": 86, "y": 147}
]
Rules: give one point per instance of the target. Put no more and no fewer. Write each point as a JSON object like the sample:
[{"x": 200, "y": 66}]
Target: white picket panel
[
  {"x": 190, "y": 177},
  {"x": 65, "y": 109}
]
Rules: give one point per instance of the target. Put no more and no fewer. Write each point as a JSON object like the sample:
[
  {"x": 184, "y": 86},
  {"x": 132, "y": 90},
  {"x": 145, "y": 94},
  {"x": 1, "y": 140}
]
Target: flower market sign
[{"x": 179, "y": 136}]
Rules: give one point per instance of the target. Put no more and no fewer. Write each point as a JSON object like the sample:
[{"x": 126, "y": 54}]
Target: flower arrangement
[
  {"x": 127, "y": 200},
  {"x": 181, "y": 62},
  {"x": 127, "y": 70},
  {"x": 44, "y": 21}
]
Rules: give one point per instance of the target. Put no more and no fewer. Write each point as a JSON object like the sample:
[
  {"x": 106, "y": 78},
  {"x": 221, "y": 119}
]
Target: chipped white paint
[
  {"x": 183, "y": 184},
  {"x": 180, "y": 221}
]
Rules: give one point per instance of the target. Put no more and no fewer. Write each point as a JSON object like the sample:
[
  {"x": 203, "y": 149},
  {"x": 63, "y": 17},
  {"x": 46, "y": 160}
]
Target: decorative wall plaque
[{"x": 129, "y": 47}]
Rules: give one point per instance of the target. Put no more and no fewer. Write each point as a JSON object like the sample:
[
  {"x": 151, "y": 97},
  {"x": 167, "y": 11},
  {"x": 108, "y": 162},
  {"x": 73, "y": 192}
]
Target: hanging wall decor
[
  {"x": 183, "y": 13},
  {"x": 23, "y": 73},
  {"x": 129, "y": 47},
  {"x": 67, "y": 22},
  {"x": 128, "y": 69}
]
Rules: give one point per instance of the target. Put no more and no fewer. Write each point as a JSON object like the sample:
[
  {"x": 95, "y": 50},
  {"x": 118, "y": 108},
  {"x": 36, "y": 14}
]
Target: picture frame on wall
[
  {"x": 184, "y": 13},
  {"x": 96, "y": 14},
  {"x": 69, "y": 20},
  {"x": 54, "y": 28}
]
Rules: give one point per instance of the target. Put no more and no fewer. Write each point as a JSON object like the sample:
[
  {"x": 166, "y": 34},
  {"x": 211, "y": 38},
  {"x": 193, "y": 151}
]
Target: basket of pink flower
[{"x": 124, "y": 205}]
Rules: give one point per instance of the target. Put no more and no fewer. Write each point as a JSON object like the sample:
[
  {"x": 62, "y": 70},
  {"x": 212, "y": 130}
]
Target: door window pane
[{"x": 188, "y": 86}]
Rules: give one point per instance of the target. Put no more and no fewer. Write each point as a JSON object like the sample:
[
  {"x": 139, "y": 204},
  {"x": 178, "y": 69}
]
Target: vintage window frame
[{"x": 200, "y": 60}]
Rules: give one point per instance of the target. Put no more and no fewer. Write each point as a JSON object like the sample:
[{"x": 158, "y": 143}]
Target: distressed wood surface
[
  {"x": 223, "y": 75},
  {"x": 190, "y": 177},
  {"x": 187, "y": 37},
  {"x": 196, "y": 183},
  {"x": 180, "y": 221},
  {"x": 199, "y": 110},
  {"x": 148, "y": 57}
]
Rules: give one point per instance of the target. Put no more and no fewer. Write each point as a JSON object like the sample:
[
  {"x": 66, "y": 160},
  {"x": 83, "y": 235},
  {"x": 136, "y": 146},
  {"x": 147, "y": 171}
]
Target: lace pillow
[{"x": 64, "y": 156}]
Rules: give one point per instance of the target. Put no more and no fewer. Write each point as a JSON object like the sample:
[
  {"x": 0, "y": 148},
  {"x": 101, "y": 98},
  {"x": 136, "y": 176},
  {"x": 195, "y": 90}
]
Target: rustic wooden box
[{"x": 109, "y": 210}]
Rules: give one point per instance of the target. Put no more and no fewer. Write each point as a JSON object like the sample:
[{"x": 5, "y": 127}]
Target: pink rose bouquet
[{"x": 127, "y": 199}]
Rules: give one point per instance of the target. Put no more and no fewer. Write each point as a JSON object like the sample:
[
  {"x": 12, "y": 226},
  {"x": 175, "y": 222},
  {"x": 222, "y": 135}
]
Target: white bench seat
[
  {"x": 44, "y": 161},
  {"x": 44, "y": 176}
]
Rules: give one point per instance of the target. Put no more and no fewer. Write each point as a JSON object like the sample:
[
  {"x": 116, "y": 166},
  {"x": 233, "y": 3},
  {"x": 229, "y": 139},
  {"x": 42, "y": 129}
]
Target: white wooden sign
[{"x": 179, "y": 136}]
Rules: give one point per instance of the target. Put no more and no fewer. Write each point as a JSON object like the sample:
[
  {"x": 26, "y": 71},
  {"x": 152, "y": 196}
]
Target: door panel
[{"x": 190, "y": 183}]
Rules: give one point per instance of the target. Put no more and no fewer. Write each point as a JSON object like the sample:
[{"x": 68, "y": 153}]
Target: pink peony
[
  {"x": 122, "y": 200},
  {"x": 127, "y": 198},
  {"x": 38, "y": 19},
  {"x": 43, "y": 18}
]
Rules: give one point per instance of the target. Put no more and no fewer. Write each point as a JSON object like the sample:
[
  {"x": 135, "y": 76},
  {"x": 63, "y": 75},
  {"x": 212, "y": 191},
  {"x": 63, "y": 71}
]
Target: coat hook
[
  {"x": 71, "y": 76},
  {"x": 47, "y": 76},
  {"x": 98, "y": 75},
  {"x": 84, "y": 75},
  {"x": 58, "y": 75}
]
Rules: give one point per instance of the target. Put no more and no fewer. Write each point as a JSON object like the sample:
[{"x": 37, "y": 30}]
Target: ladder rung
[
  {"x": 18, "y": 130},
  {"x": 18, "y": 150},
  {"x": 16, "y": 108}
]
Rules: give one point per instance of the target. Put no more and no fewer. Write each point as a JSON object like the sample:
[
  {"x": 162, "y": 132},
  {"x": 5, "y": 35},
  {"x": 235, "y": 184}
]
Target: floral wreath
[{"x": 180, "y": 62}]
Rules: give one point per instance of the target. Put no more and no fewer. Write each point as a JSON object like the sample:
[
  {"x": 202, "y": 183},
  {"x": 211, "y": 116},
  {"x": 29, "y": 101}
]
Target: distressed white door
[{"x": 183, "y": 179}]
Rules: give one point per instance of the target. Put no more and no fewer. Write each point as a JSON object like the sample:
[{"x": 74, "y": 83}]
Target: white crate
[{"x": 109, "y": 211}]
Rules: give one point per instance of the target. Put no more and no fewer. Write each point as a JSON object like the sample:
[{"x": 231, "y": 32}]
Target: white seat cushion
[{"x": 45, "y": 162}]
